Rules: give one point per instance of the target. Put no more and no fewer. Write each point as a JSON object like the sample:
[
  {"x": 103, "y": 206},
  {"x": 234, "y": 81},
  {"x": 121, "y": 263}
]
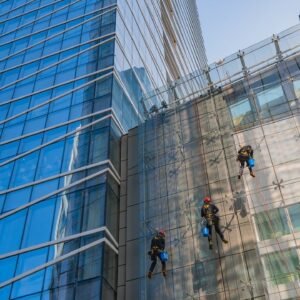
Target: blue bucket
[
  {"x": 251, "y": 162},
  {"x": 164, "y": 256},
  {"x": 205, "y": 231}
]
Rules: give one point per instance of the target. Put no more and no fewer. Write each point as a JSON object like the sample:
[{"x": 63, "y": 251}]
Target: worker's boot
[
  {"x": 224, "y": 241},
  {"x": 164, "y": 272},
  {"x": 149, "y": 275},
  {"x": 252, "y": 174}
]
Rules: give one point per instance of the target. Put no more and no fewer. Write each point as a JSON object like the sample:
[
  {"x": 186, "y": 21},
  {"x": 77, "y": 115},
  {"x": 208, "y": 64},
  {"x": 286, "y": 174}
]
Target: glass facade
[
  {"x": 188, "y": 150},
  {"x": 72, "y": 76}
]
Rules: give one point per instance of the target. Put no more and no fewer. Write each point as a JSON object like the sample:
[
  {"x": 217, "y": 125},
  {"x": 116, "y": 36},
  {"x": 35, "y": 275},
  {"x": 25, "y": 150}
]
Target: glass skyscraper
[{"x": 72, "y": 77}]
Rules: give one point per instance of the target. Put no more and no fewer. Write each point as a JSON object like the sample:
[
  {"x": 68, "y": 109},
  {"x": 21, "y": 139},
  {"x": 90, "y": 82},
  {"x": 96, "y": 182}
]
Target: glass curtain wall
[
  {"x": 59, "y": 145},
  {"x": 188, "y": 150}
]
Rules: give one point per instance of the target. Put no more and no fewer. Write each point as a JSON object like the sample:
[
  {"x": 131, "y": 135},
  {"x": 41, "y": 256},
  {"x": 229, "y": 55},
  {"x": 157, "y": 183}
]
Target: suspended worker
[
  {"x": 244, "y": 154},
  {"x": 209, "y": 212},
  {"x": 157, "y": 246}
]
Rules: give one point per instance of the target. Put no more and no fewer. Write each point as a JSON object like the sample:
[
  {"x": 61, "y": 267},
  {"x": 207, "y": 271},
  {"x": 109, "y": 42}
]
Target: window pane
[
  {"x": 39, "y": 223},
  {"x": 242, "y": 113},
  {"x": 11, "y": 229},
  {"x": 24, "y": 169},
  {"x": 271, "y": 224},
  {"x": 294, "y": 211},
  {"x": 297, "y": 88},
  {"x": 32, "y": 283},
  {"x": 271, "y": 102},
  {"x": 50, "y": 160},
  {"x": 17, "y": 198},
  {"x": 282, "y": 266}
]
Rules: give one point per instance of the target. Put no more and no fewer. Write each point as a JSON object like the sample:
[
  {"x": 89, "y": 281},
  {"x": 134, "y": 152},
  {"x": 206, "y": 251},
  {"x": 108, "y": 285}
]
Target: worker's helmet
[
  {"x": 207, "y": 199},
  {"x": 161, "y": 232}
]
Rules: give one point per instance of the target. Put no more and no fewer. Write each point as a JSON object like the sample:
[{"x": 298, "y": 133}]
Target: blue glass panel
[
  {"x": 58, "y": 117},
  {"x": 44, "y": 188},
  {"x": 5, "y": 173},
  {"x": 5, "y": 292},
  {"x": 18, "y": 106},
  {"x": 7, "y": 267},
  {"x": 294, "y": 211},
  {"x": 24, "y": 170},
  {"x": 39, "y": 223},
  {"x": 2, "y": 197},
  {"x": 38, "y": 99},
  {"x": 30, "y": 142},
  {"x": 296, "y": 84},
  {"x": 11, "y": 229},
  {"x": 242, "y": 113},
  {"x": 6, "y": 95},
  {"x": 12, "y": 131},
  {"x": 271, "y": 101},
  {"x": 50, "y": 160},
  {"x": 54, "y": 133},
  {"x": 8, "y": 150},
  {"x": 16, "y": 199},
  {"x": 32, "y": 297},
  {"x": 3, "y": 111},
  {"x": 32, "y": 283},
  {"x": 35, "y": 124},
  {"x": 61, "y": 103},
  {"x": 29, "y": 69}
]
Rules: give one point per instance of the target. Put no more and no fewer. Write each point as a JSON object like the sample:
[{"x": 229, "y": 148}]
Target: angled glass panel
[
  {"x": 16, "y": 199},
  {"x": 5, "y": 174},
  {"x": 25, "y": 169},
  {"x": 242, "y": 113},
  {"x": 272, "y": 102},
  {"x": 33, "y": 283},
  {"x": 271, "y": 224},
  {"x": 294, "y": 212},
  {"x": 296, "y": 84},
  {"x": 11, "y": 230},
  {"x": 7, "y": 266},
  {"x": 50, "y": 160},
  {"x": 39, "y": 223},
  {"x": 282, "y": 266}
]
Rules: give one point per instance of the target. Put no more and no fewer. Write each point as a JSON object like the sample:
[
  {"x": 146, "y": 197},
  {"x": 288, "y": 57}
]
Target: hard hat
[
  {"x": 161, "y": 232},
  {"x": 207, "y": 199}
]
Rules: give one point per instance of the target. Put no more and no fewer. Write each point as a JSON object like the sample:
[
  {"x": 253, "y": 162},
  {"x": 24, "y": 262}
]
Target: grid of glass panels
[
  {"x": 188, "y": 150},
  {"x": 59, "y": 145}
]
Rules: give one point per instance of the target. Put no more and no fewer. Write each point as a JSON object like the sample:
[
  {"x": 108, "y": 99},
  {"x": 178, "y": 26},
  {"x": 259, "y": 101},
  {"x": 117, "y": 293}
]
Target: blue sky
[{"x": 230, "y": 25}]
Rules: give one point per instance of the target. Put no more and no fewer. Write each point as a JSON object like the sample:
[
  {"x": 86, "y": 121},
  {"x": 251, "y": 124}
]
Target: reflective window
[
  {"x": 33, "y": 283},
  {"x": 44, "y": 188},
  {"x": 242, "y": 113},
  {"x": 294, "y": 212},
  {"x": 271, "y": 224},
  {"x": 7, "y": 267},
  {"x": 24, "y": 170},
  {"x": 297, "y": 88},
  {"x": 50, "y": 160},
  {"x": 272, "y": 102},
  {"x": 5, "y": 173},
  {"x": 282, "y": 266},
  {"x": 39, "y": 223},
  {"x": 11, "y": 230},
  {"x": 17, "y": 198},
  {"x": 8, "y": 150},
  {"x": 30, "y": 142}
]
